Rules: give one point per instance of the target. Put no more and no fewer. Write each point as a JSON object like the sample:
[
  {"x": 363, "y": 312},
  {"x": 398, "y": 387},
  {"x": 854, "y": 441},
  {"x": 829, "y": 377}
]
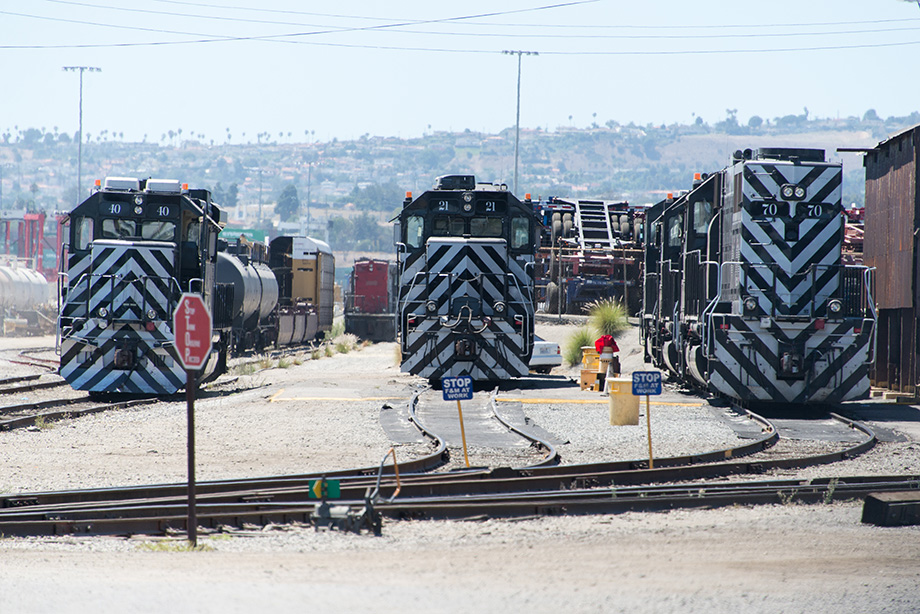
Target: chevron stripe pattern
[
  {"x": 791, "y": 261},
  {"x": 125, "y": 279},
  {"x": 451, "y": 288},
  {"x": 835, "y": 357}
]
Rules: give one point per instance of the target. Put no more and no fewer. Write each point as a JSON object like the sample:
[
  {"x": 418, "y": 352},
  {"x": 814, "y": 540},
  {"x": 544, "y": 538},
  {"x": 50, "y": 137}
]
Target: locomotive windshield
[
  {"x": 448, "y": 227},
  {"x": 153, "y": 230},
  {"x": 486, "y": 227}
]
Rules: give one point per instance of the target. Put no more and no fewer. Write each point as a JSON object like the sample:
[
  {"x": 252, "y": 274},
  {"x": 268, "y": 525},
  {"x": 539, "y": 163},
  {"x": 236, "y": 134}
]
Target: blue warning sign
[{"x": 457, "y": 387}]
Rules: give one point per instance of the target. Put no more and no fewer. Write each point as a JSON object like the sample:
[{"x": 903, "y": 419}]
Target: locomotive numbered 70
[{"x": 745, "y": 292}]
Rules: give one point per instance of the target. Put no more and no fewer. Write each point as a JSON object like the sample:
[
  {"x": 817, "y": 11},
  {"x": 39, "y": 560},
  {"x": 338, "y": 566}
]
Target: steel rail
[
  {"x": 31, "y": 419},
  {"x": 282, "y": 490},
  {"x": 163, "y": 518},
  {"x": 550, "y": 456}
]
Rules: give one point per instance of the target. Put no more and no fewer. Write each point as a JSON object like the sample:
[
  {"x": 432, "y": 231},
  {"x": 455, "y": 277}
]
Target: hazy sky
[{"x": 346, "y": 68}]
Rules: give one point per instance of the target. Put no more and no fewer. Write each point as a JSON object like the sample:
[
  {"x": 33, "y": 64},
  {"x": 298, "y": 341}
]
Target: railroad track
[{"x": 367, "y": 494}]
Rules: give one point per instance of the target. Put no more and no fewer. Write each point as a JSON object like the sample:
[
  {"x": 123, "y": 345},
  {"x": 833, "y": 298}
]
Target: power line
[
  {"x": 506, "y": 24},
  {"x": 467, "y": 21},
  {"x": 286, "y": 38}
]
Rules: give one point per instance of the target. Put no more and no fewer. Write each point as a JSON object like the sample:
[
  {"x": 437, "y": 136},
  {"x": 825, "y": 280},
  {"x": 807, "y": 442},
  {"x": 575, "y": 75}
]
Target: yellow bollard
[{"x": 624, "y": 406}]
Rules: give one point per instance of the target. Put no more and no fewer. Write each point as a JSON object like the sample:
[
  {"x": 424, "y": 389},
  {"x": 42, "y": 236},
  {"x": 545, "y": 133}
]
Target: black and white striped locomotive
[
  {"x": 465, "y": 258},
  {"x": 133, "y": 248},
  {"x": 745, "y": 293}
]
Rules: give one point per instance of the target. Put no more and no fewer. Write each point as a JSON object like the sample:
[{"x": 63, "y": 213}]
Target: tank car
[
  {"x": 243, "y": 266},
  {"x": 465, "y": 258},
  {"x": 24, "y": 296},
  {"x": 370, "y": 300},
  {"x": 134, "y": 246},
  {"x": 745, "y": 293}
]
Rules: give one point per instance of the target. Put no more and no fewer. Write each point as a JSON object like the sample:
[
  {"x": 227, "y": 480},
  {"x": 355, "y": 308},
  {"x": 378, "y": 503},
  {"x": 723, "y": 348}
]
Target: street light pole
[
  {"x": 517, "y": 123},
  {"x": 81, "y": 70}
]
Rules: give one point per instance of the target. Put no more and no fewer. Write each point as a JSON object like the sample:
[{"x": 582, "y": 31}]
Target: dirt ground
[{"x": 778, "y": 558}]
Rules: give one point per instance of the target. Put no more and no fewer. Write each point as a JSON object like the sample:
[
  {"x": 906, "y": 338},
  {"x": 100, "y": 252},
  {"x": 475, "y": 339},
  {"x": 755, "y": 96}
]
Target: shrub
[
  {"x": 571, "y": 353},
  {"x": 607, "y": 317}
]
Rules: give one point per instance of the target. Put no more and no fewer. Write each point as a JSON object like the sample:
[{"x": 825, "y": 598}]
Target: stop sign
[{"x": 192, "y": 327}]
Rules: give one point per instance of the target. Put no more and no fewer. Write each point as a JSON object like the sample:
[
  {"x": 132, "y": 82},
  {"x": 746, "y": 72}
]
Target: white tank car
[{"x": 22, "y": 288}]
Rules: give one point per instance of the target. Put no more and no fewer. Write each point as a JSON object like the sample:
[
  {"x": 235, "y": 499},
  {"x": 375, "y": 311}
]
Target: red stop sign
[{"x": 192, "y": 326}]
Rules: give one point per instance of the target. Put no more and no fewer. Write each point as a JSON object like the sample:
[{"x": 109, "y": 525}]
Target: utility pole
[
  {"x": 81, "y": 70},
  {"x": 517, "y": 123}
]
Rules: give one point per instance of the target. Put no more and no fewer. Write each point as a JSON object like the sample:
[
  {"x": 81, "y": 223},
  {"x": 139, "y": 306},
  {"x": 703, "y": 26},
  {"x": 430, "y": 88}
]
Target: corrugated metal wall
[
  {"x": 891, "y": 245},
  {"x": 891, "y": 218}
]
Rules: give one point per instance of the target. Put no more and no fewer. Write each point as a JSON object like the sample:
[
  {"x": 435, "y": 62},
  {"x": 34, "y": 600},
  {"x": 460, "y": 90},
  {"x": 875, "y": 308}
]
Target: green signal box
[{"x": 324, "y": 489}]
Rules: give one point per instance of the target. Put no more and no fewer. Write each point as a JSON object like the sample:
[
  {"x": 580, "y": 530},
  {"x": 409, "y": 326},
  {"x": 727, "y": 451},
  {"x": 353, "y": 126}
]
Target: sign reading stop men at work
[
  {"x": 192, "y": 327},
  {"x": 646, "y": 383}
]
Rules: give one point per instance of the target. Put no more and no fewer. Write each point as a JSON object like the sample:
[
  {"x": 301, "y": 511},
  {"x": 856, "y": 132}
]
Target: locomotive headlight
[
  {"x": 467, "y": 207},
  {"x": 835, "y": 306},
  {"x": 431, "y": 306},
  {"x": 750, "y": 303},
  {"x": 799, "y": 192},
  {"x": 103, "y": 312},
  {"x": 787, "y": 191},
  {"x": 151, "y": 314},
  {"x": 138, "y": 200},
  {"x": 499, "y": 307}
]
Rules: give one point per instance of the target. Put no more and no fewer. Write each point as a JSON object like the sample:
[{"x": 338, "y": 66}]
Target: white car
[{"x": 546, "y": 355}]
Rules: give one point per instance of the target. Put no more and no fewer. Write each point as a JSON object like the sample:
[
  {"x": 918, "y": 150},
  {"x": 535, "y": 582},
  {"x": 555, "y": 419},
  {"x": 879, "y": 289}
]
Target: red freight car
[{"x": 370, "y": 300}]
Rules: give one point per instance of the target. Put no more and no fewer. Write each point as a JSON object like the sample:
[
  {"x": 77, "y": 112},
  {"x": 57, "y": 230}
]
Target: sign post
[
  {"x": 458, "y": 388},
  {"x": 192, "y": 329},
  {"x": 647, "y": 383}
]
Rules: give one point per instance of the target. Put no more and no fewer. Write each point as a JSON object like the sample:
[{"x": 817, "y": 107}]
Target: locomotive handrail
[
  {"x": 201, "y": 286},
  {"x": 716, "y": 301},
  {"x": 867, "y": 281},
  {"x": 709, "y": 309},
  {"x": 810, "y": 273}
]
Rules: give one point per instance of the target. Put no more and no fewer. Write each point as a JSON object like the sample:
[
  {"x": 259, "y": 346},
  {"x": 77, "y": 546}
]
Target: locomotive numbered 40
[
  {"x": 745, "y": 293},
  {"x": 465, "y": 257},
  {"x": 135, "y": 246}
]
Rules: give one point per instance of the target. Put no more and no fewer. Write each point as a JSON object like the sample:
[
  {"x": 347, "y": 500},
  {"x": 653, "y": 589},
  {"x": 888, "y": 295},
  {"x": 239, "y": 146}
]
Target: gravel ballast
[{"x": 769, "y": 558}]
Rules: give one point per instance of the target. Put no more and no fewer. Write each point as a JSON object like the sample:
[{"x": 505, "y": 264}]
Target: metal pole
[
  {"x": 81, "y": 70},
  {"x": 517, "y": 123},
  {"x": 648, "y": 421},
  {"x": 192, "y": 528},
  {"x": 517, "y": 127}
]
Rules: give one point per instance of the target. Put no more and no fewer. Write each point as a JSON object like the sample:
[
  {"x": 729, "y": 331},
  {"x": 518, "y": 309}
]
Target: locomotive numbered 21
[
  {"x": 465, "y": 258},
  {"x": 745, "y": 293}
]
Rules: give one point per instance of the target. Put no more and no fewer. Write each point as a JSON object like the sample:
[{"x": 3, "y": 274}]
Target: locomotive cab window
[
  {"x": 158, "y": 231},
  {"x": 674, "y": 234},
  {"x": 447, "y": 227},
  {"x": 486, "y": 227},
  {"x": 83, "y": 233},
  {"x": 702, "y": 215},
  {"x": 118, "y": 229},
  {"x": 520, "y": 232},
  {"x": 415, "y": 231},
  {"x": 192, "y": 232}
]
